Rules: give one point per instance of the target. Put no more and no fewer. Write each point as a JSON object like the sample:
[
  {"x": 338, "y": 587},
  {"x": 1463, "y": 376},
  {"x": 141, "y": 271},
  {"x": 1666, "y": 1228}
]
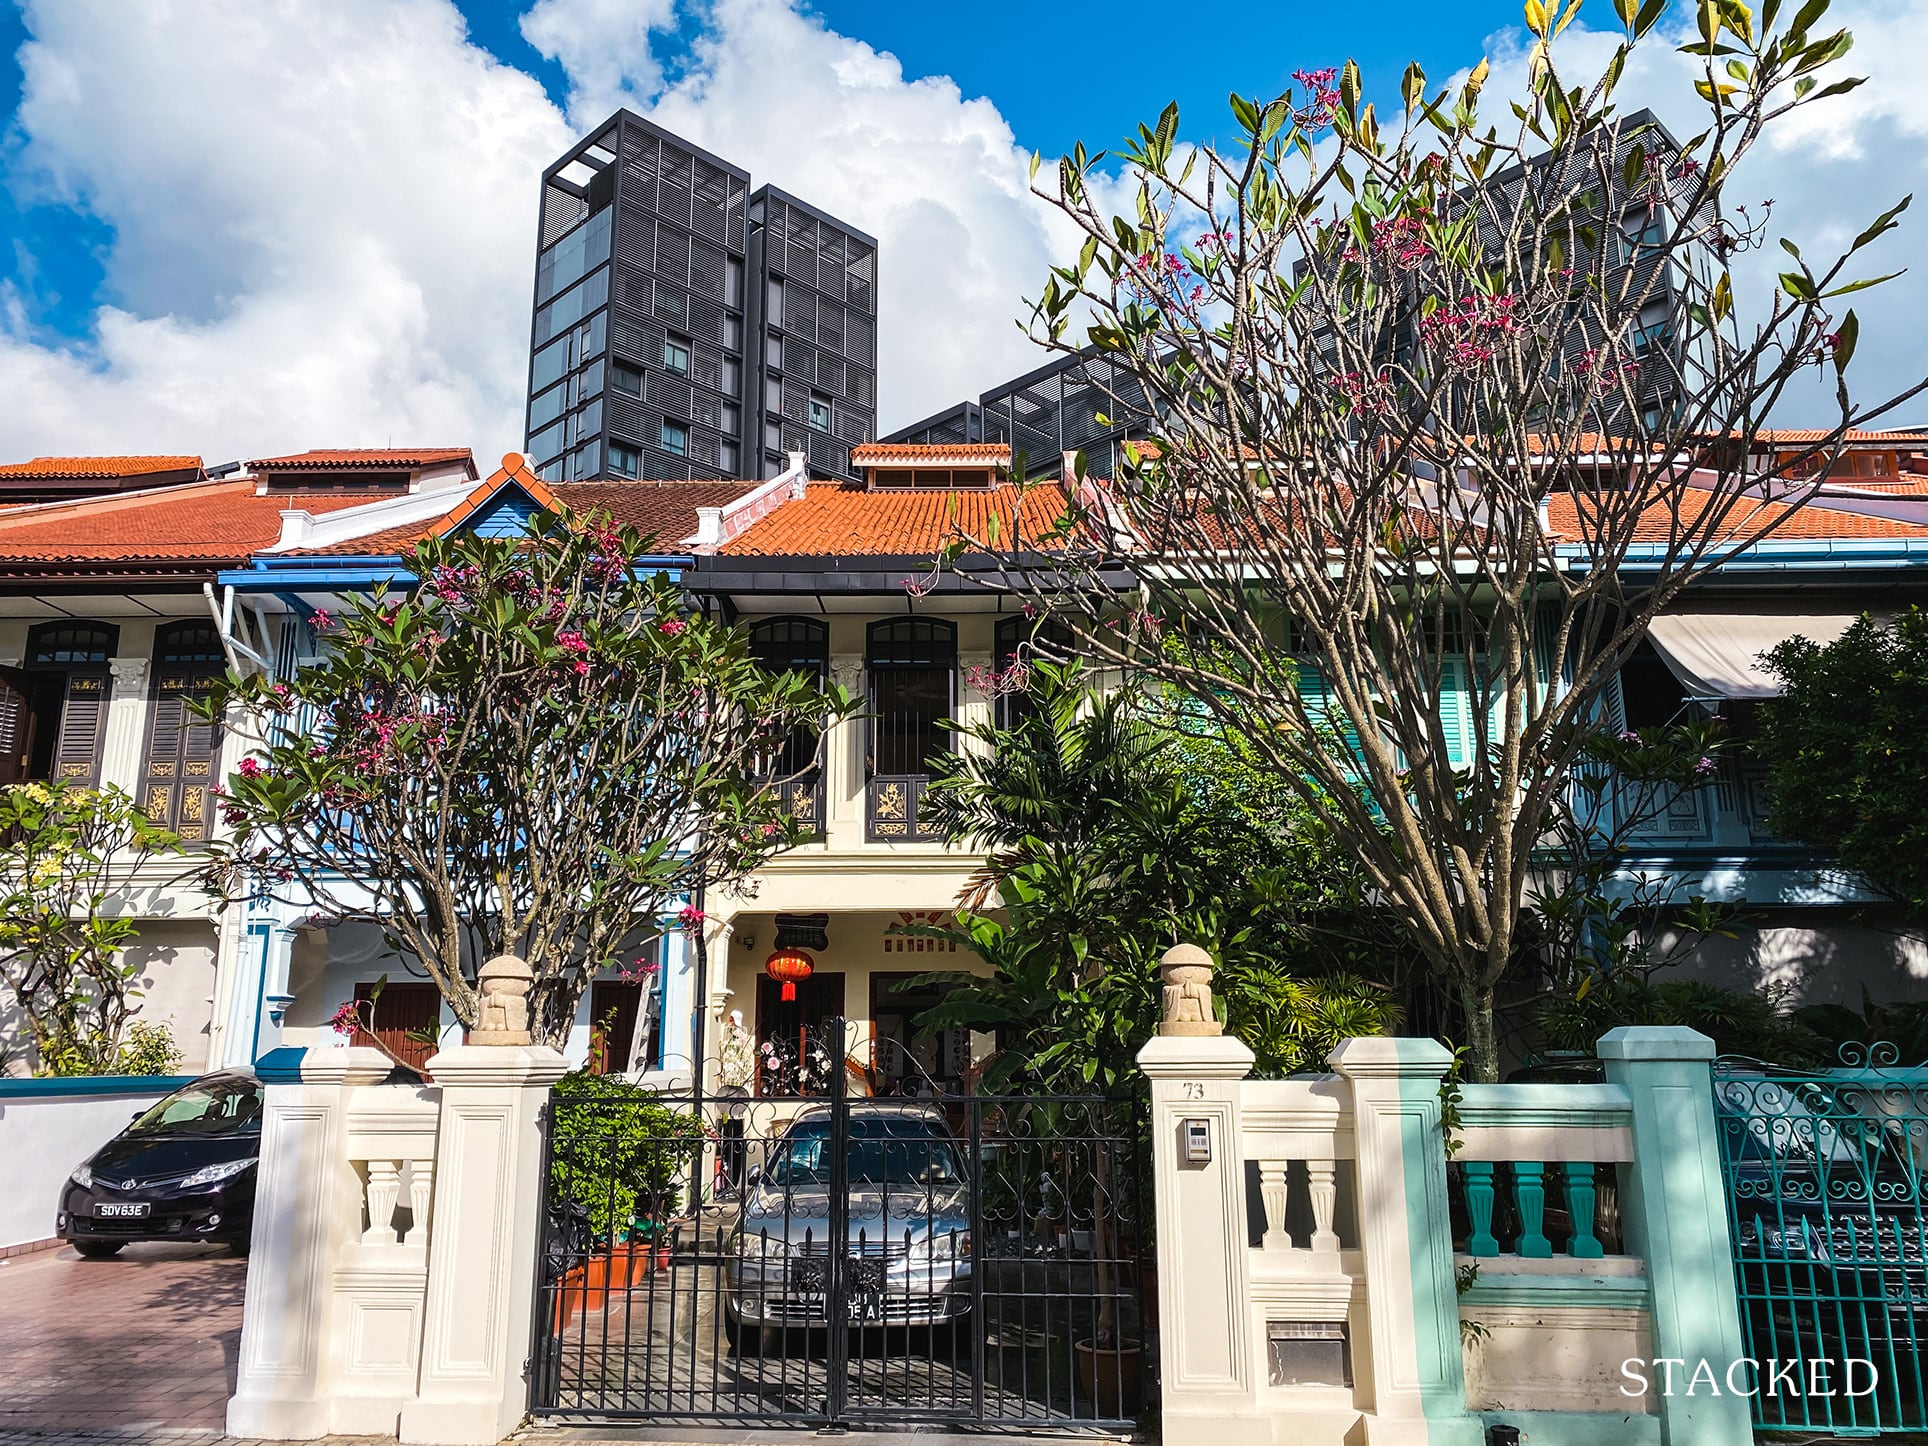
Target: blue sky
[
  {"x": 1086, "y": 72},
  {"x": 231, "y": 225}
]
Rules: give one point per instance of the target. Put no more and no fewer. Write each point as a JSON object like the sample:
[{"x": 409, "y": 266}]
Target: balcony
[
  {"x": 802, "y": 798},
  {"x": 894, "y": 809}
]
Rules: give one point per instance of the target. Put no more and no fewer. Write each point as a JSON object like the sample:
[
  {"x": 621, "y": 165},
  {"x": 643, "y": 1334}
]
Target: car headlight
[
  {"x": 951, "y": 1245},
  {"x": 83, "y": 1176},
  {"x": 209, "y": 1174},
  {"x": 762, "y": 1244}
]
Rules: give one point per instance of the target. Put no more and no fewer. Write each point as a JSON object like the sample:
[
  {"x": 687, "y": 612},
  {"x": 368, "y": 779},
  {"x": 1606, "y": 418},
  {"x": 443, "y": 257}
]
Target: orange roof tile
[
  {"x": 1807, "y": 436},
  {"x": 63, "y": 469},
  {"x": 338, "y": 459},
  {"x": 836, "y": 519},
  {"x": 869, "y": 454},
  {"x": 200, "y": 523},
  {"x": 1748, "y": 517}
]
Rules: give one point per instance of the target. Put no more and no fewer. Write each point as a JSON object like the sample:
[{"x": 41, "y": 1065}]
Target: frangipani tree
[
  {"x": 536, "y": 752},
  {"x": 1441, "y": 407}
]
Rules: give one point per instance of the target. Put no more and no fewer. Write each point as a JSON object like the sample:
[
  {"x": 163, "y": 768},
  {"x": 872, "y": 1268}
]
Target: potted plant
[{"x": 620, "y": 1160}]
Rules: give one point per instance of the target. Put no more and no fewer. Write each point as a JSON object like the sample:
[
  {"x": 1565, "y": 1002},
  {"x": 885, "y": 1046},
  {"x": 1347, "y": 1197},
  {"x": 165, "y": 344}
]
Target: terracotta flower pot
[{"x": 1110, "y": 1376}]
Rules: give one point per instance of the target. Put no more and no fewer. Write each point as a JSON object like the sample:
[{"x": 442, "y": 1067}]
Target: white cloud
[
  {"x": 322, "y": 215},
  {"x": 605, "y": 46},
  {"x": 323, "y": 222}
]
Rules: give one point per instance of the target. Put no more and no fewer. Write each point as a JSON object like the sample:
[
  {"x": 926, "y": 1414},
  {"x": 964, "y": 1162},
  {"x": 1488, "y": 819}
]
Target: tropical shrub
[
  {"x": 618, "y": 1153},
  {"x": 68, "y": 855}
]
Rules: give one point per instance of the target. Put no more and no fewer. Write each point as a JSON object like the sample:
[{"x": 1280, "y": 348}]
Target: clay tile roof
[
  {"x": 387, "y": 459},
  {"x": 833, "y": 519},
  {"x": 65, "y": 469},
  {"x": 871, "y": 454},
  {"x": 1814, "y": 522},
  {"x": 201, "y": 524},
  {"x": 1807, "y": 436}
]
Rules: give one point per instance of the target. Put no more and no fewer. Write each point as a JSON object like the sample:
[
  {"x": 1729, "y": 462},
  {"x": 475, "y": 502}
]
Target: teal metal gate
[{"x": 1824, "y": 1185}]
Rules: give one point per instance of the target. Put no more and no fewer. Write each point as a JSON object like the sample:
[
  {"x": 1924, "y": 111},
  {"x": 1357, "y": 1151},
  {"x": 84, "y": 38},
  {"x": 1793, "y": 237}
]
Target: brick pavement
[{"x": 140, "y": 1343}]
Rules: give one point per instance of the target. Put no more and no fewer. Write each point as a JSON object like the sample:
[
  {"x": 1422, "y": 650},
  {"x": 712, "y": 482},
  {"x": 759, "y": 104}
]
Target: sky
[{"x": 243, "y": 227}]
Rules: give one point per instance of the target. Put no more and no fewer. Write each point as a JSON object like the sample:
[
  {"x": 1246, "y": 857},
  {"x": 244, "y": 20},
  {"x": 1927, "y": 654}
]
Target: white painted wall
[
  {"x": 42, "y": 1138},
  {"x": 176, "y": 962}
]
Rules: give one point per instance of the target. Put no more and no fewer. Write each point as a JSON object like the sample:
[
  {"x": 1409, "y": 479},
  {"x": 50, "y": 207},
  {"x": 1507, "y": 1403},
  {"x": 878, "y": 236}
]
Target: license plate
[{"x": 108, "y": 1210}]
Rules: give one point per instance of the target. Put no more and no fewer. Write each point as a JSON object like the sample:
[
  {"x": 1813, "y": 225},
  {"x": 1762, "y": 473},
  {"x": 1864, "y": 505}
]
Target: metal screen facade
[
  {"x": 815, "y": 321},
  {"x": 652, "y": 354},
  {"x": 1046, "y": 413}
]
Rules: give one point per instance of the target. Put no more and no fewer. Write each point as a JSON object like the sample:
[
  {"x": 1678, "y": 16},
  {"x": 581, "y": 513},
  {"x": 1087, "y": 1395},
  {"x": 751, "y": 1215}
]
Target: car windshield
[
  {"x": 208, "y": 1107},
  {"x": 903, "y": 1151}
]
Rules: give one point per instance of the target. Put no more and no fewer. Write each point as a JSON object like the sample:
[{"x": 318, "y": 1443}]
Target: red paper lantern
[{"x": 789, "y": 967}]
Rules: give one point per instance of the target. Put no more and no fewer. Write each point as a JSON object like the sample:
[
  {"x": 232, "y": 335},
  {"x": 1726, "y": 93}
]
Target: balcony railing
[
  {"x": 894, "y": 810},
  {"x": 802, "y": 798}
]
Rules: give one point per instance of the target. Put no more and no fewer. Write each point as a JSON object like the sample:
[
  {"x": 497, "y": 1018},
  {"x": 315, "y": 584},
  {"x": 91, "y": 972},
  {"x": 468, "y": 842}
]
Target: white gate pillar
[
  {"x": 482, "y": 1243},
  {"x": 1207, "y": 1358},
  {"x": 307, "y": 1212}
]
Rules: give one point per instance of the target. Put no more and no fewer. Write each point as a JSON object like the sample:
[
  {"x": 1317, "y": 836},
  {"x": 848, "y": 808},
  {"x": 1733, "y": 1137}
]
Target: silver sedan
[{"x": 907, "y": 1242}]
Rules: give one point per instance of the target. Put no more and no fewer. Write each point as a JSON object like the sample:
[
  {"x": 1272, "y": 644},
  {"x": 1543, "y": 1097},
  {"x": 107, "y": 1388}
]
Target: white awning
[{"x": 1718, "y": 655}]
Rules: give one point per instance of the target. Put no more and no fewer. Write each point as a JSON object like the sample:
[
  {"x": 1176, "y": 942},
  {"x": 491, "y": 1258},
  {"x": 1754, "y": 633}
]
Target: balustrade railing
[
  {"x": 1535, "y": 1169},
  {"x": 391, "y": 1144}
]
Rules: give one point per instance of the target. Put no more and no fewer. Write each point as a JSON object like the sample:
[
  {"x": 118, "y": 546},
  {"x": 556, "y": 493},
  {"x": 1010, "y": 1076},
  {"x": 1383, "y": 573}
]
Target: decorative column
[
  {"x": 1673, "y": 1211},
  {"x": 1208, "y": 1357},
  {"x": 120, "y": 761},
  {"x": 307, "y": 1213},
  {"x": 485, "y": 1226},
  {"x": 1406, "y": 1241},
  {"x": 843, "y": 762}
]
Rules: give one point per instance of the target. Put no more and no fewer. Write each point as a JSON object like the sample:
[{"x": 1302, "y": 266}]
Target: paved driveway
[{"x": 147, "y": 1339}]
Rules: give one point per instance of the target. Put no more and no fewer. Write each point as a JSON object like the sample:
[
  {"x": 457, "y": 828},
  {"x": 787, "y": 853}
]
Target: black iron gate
[{"x": 831, "y": 1258}]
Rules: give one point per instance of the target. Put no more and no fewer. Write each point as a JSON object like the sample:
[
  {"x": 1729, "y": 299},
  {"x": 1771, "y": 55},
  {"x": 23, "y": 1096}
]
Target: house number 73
[{"x": 1194, "y": 1090}]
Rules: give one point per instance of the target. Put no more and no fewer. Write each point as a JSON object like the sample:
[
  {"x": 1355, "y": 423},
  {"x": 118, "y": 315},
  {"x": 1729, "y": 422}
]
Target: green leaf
[
  {"x": 1845, "y": 337},
  {"x": 1412, "y": 88},
  {"x": 1863, "y": 284}
]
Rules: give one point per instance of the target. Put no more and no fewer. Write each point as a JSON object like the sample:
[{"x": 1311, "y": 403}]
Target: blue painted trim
[
  {"x": 269, "y": 573},
  {"x": 1903, "y": 554},
  {"x": 264, "y": 934},
  {"x": 88, "y": 1085}
]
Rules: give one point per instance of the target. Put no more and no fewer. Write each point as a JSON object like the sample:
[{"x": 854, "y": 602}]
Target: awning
[{"x": 1718, "y": 655}]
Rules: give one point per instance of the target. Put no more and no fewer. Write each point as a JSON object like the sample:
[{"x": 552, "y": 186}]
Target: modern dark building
[
  {"x": 1081, "y": 402},
  {"x": 687, "y": 328}
]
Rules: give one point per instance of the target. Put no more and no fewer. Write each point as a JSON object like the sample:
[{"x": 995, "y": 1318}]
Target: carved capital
[
  {"x": 129, "y": 673},
  {"x": 848, "y": 673}
]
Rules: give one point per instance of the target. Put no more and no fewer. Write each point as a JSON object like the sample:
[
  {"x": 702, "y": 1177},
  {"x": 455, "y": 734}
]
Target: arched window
[
  {"x": 912, "y": 665},
  {"x": 796, "y": 645},
  {"x": 181, "y": 744},
  {"x": 70, "y": 645},
  {"x": 53, "y": 711}
]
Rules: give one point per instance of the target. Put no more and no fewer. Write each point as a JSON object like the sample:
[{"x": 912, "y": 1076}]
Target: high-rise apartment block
[{"x": 687, "y": 327}]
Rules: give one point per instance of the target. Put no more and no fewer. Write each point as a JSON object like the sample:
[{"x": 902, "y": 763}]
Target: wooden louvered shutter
[
  {"x": 83, "y": 729},
  {"x": 180, "y": 756},
  {"x": 16, "y": 724}
]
